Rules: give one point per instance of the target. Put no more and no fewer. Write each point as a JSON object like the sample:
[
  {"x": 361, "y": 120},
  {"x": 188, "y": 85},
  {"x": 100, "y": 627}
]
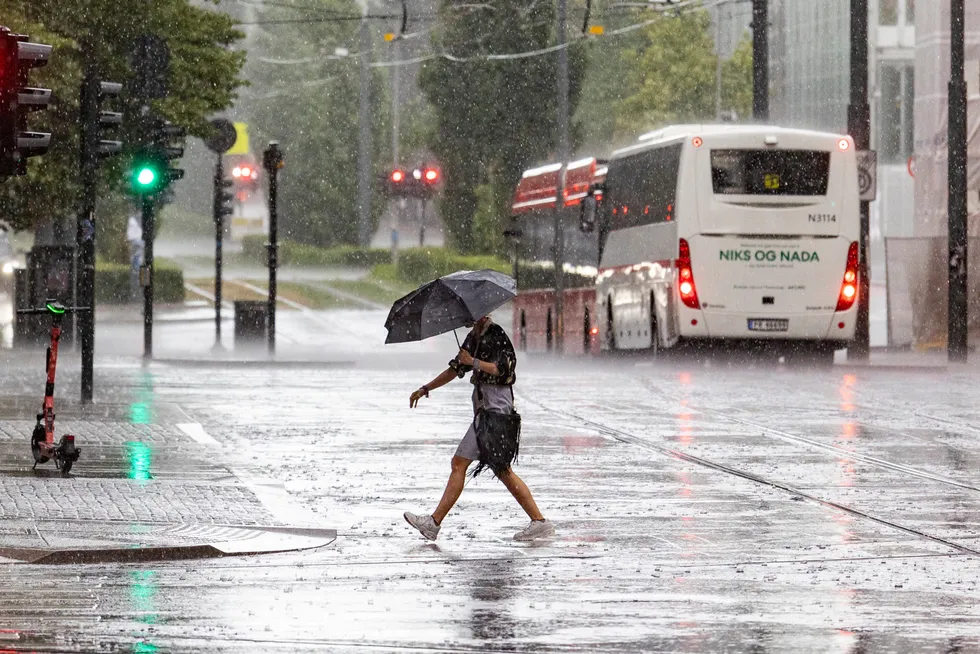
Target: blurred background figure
[{"x": 134, "y": 235}]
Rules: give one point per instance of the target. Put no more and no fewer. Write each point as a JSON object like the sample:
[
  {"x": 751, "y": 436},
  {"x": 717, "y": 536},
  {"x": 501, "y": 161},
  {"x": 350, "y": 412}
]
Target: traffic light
[
  {"x": 168, "y": 140},
  {"x": 246, "y": 175},
  {"x": 422, "y": 182},
  {"x": 397, "y": 182},
  {"x": 18, "y": 56},
  {"x": 222, "y": 198},
  {"x": 429, "y": 181},
  {"x": 109, "y": 120},
  {"x": 151, "y": 173}
]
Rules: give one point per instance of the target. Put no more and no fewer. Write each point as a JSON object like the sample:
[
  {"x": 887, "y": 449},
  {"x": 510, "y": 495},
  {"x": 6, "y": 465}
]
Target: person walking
[
  {"x": 134, "y": 236},
  {"x": 489, "y": 354}
]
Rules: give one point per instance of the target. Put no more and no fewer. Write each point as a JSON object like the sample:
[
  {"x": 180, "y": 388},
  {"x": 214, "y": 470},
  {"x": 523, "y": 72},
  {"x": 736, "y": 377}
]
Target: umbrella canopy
[{"x": 448, "y": 303}]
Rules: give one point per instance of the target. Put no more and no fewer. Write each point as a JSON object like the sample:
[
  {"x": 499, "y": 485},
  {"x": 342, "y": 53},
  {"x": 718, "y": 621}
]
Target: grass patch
[
  {"x": 314, "y": 298},
  {"x": 177, "y": 223},
  {"x": 372, "y": 289}
]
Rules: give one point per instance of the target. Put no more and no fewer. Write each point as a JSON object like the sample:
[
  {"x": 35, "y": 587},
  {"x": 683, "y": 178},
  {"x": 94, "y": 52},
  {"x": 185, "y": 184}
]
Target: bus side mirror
[
  {"x": 587, "y": 214},
  {"x": 513, "y": 233}
]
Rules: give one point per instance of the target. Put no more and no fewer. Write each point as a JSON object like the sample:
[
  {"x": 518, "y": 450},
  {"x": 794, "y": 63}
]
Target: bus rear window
[{"x": 770, "y": 172}]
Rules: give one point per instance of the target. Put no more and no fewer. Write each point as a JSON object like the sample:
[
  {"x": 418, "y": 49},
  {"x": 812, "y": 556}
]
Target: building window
[
  {"x": 895, "y": 118},
  {"x": 910, "y": 12},
  {"x": 888, "y": 12}
]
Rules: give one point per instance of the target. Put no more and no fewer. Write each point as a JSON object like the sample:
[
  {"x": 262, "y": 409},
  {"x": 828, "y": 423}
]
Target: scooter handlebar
[{"x": 55, "y": 308}]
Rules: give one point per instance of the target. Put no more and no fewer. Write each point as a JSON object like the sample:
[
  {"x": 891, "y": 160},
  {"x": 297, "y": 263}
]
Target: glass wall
[
  {"x": 895, "y": 125},
  {"x": 810, "y": 63}
]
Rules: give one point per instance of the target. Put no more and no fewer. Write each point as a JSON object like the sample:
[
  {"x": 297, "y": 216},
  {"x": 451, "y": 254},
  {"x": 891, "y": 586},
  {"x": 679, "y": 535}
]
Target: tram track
[
  {"x": 630, "y": 438},
  {"x": 809, "y": 443}
]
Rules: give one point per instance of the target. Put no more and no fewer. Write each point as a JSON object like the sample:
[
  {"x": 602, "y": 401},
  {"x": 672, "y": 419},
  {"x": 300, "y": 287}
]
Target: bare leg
[
  {"x": 522, "y": 494},
  {"x": 457, "y": 479}
]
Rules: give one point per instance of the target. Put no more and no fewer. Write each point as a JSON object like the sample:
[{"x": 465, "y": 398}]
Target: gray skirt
[{"x": 495, "y": 398}]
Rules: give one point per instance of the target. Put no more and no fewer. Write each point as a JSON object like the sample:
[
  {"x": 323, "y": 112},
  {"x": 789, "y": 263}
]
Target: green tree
[
  {"x": 307, "y": 98},
  {"x": 203, "y": 80},
  {"x": 492, "y": 117},
  {"x": 671, "y": 73}
]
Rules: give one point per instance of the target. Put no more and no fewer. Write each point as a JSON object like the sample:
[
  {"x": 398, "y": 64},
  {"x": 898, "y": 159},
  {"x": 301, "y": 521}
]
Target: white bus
[{"x": 737, "y": 233}]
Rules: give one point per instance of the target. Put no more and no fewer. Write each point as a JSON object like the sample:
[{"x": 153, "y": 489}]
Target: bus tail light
[
  {"x": 685, "y": 276},
  {"x": 849, "y": 287}
]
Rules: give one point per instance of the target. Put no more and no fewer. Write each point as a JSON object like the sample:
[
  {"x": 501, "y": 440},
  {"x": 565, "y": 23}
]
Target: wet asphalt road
[{"x": 699, "y": 509}]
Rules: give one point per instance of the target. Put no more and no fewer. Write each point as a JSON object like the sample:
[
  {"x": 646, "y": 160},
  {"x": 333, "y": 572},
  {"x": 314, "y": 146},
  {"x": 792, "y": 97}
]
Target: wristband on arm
[{"x": 425, "y": 390}]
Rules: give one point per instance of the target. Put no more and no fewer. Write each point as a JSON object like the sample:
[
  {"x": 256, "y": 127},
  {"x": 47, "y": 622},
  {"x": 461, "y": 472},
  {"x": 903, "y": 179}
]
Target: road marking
[
  {"x": 350, "y": 297},
  {"x": 262, "y": 291},
  {"x": 196, "y": 431},
  {"x": 207, "y": 296}
]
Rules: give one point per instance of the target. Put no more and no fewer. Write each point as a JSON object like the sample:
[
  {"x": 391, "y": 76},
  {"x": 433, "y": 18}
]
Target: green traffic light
[{"x": 146, "y": 176}]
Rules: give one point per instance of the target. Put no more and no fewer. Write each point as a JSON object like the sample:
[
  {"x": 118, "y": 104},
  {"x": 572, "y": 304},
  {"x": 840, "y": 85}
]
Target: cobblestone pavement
[
  {"x": 148, "y": 479},
  {"x": 699, "y": 509}
]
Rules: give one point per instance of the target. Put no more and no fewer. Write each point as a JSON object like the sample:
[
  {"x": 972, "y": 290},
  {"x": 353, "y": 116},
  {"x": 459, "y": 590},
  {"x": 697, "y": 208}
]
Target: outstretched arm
[{"x": 441, "y": 379}]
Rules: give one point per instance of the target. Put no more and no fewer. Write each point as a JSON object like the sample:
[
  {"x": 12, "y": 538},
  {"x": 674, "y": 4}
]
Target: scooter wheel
[
  {"x": 66, "y": 467},
  {"x": 36, "y": 439}
]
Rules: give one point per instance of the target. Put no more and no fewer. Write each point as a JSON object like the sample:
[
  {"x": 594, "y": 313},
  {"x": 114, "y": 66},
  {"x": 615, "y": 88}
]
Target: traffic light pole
[
  {"x": 147, "y": 276},
  {"x": 364, "y": 135},
  {"x": 859, "y": 126},
  {"x": 563, "y": 157},
  {"x": 957, "y": 333},
  {"x": 273, "y": 162},
  {"x": 219, "y": 176},
  {"x": 85, "y": 233}
]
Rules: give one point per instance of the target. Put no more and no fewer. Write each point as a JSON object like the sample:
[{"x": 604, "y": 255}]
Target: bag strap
[{"x": 479, "y": 391}]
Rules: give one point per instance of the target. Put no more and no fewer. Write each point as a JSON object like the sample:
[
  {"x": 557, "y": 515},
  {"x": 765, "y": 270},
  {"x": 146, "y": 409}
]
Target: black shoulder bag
[{"x": 498, "y": 435}]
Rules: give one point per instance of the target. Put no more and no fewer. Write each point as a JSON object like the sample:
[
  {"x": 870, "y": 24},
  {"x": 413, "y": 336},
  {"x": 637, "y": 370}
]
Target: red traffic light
[
  {"x": 397, "y": 175},
  {"x": 431, "y": 175}
]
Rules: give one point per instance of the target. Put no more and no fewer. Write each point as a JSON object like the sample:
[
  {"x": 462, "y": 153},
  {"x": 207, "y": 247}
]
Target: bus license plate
[{"x": 768, "y": 324}]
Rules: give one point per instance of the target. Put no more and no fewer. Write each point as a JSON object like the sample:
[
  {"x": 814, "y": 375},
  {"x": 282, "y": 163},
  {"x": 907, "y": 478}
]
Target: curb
[
  {"x": 254, "y": 363},
  {"x": 268, "y": 540}
]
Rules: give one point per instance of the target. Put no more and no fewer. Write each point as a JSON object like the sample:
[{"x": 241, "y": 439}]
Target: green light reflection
[
  {"x": 142, "y": 593},
  {"x": 141, "y": 410},
  {"x": 140, "y": 459}
]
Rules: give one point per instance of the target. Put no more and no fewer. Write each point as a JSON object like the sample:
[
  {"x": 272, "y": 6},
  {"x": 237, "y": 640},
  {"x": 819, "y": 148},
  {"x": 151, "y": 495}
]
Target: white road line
[
  {"x": 196, "y": 431},
  {"x": 207, "y": 296},
  {"x": 350, "y": 297},
  {"x": 261, "y": 291}
]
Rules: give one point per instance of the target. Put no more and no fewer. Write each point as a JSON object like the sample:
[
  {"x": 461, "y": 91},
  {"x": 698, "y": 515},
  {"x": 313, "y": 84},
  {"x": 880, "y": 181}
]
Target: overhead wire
[{"x": 679, "y": 7}]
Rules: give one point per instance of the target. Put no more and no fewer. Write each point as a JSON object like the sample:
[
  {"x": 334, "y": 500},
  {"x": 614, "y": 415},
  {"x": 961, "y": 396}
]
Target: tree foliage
[
  {"x": 492, "y": 117},
  {"x": 671, "y": 76},
  {"x": 203, "y": 80},
  {"x": 307, "y": 98}
]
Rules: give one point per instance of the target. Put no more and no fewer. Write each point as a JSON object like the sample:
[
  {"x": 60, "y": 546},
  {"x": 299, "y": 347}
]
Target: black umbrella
[{"x": 448, "y": 303}]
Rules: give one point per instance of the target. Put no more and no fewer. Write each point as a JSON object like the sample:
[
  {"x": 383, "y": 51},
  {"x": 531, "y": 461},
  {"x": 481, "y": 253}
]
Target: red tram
[{"x": 533, "y": 233}]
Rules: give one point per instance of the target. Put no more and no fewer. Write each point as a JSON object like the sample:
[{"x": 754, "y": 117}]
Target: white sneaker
[
  {"x": 537, "y": 529},
  {"x": 424, "y": 523}
]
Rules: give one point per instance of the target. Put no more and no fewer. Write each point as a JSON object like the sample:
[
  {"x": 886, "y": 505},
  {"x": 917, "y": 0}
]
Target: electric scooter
[{"x": 43, "y": 447}]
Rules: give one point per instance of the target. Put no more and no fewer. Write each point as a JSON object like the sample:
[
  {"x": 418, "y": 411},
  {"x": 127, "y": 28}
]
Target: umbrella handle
[{"x": 457, "y": 339}]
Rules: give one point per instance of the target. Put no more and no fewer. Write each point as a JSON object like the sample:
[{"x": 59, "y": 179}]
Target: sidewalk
[{"x": 151, "y": 484}]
